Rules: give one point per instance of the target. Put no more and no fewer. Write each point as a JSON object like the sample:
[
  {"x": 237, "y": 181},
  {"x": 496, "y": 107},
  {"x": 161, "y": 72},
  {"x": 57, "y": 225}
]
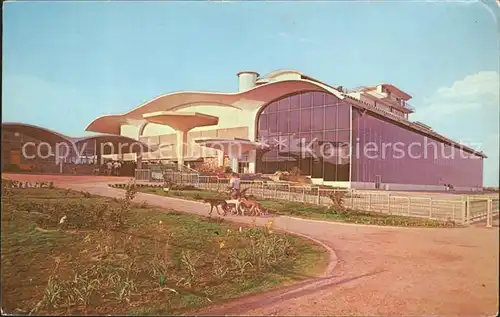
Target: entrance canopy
[
  {"x": 112, "y": 144},
  {"x": 232, "y": 147},
  {"x": 181, "y": 121}
]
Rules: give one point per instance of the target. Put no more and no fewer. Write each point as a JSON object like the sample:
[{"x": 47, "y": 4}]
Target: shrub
[{"x": 338, "y": 202}]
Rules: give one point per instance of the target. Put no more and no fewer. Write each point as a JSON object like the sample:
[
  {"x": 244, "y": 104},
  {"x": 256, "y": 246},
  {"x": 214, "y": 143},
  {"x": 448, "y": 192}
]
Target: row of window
[
  {"x": 318, "y": 119},
  {"x": 303, "y": 101},
  {"x": 292, "y": 123},
  {"x": 308, "y": 166}
]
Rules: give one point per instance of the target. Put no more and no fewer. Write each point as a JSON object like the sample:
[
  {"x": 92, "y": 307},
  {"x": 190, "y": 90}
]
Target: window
[
  {"x": 330, "y": 117},
  {"x": 306, "y": 116},
  {"x": 318, "y": 99},
  {"x": 294, "y": 121},
  {"x": 263, "y": 122},
  {"x": 343, "y": 117},
  {"x": 295, "y": 102},
  {"x": 272, "y": 107},
  {"x": 284, "y": 104},
  {"x": 306, "y": 100},
  {"x": 305, "y": 120},
  {"x": 283, "y": 119},
  {"x": 318, "y": 118},
  {"x": 331, "y": 100},
  {"x": 272, "y": 123}
]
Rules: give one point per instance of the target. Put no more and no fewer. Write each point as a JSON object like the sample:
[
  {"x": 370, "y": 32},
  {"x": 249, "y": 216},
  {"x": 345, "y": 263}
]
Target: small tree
[{"x": 337, "y": 198}]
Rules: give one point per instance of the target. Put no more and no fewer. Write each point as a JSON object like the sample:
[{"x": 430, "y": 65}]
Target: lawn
[
  {"x": 310, "y": 211},
  {"x": 113, "y": 256}
]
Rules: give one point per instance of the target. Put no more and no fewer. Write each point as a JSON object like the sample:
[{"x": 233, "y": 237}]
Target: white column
[
  {"x": 234, "y": 164},
  {"x": 139, "y": 161},
  {"x": 181, "y": 147},
  {"x": 220, "y": 158},
  {"x": 251, "y": 161}
]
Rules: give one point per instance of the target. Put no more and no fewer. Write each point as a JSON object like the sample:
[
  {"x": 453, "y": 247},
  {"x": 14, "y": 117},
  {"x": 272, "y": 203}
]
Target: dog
[
  {"x": 233, "y": 203},
  {"x": 216, "y": 202},
  {"x": 235, "y": 207},
  {"x": 253, "y": 206}
]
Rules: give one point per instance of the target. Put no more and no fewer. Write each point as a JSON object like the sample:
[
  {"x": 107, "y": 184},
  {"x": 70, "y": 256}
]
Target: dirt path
[{"x": 380, "y": 271}]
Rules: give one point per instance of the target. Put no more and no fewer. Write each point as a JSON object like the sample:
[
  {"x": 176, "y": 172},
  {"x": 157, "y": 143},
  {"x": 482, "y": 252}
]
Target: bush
[{"x": 337, "y": 198}]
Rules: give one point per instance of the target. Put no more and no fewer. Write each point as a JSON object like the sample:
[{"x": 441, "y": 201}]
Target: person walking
[
  {"x": 234, "y": 185},
  {"x": 109, "y": 167},
  {"x": 117, "y": 166}
]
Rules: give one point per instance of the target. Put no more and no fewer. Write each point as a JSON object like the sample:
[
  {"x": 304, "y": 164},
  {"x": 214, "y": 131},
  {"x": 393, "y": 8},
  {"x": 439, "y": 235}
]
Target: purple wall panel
[{"x": 406, "y": 157}]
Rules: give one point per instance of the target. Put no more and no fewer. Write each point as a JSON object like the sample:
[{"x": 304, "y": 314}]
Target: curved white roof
[{"x": 251, "y": 99}]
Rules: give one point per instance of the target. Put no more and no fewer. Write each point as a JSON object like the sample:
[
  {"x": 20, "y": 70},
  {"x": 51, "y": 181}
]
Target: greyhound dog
[
  {"x": 253, "y": 206},
  {"x": 216, "y": 202}
]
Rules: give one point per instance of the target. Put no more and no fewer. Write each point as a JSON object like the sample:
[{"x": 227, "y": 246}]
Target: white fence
[
  {"x": 149, "y": 175},
  {"x": 443, "y": 207}
]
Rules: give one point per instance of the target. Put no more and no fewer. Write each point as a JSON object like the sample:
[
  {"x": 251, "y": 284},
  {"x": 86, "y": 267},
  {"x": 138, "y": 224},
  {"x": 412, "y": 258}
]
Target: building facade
[
  {"x": 361, "y": 138},
  {"x": 31, "y": 148}
]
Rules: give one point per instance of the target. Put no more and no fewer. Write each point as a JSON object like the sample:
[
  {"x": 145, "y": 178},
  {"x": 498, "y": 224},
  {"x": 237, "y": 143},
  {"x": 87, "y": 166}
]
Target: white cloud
[{"x": 474, "y": 92}]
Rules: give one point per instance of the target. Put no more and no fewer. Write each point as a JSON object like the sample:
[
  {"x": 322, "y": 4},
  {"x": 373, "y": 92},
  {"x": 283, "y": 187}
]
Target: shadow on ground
[{"x": 240, "y": 307}]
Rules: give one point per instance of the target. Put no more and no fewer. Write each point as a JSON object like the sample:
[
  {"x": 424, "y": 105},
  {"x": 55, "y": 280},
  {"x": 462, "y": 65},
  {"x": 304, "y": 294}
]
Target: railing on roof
[
  {"x": 406, "y": 105},
  {"x": 351, "y": 90}
]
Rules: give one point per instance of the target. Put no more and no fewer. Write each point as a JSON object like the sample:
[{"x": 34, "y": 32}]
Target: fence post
[
  {"x": 289, "y": 192},
  {"x": 303, "y": 194},
  {"x": 352, "y": 199},
  {"x": 489, "y": 213},
  {"x": 464, "y": 212},
  {"x": 389, "y": 203},
  {"x": 369, "y": 201},
  {"x": 409, "y": 206},
  {"x": 263, "y": 191},
  {"x": 467, "y": 210},
  {"x": 275, "y": 192},
  {"x": 318, "y": 201},
  {"x": 453, "y": 219},
  {"x": 430, "y": 207}
]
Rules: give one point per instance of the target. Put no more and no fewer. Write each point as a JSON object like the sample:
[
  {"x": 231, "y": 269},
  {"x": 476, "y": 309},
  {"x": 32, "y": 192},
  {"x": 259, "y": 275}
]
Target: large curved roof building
[{"x": 287, "y": 119}]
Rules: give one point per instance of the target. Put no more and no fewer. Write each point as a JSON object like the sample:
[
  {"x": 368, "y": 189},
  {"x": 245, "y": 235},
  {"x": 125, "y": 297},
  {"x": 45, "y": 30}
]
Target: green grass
[
  {"x": 87, "y": 267},
  {"x": 310, "y": 211}
]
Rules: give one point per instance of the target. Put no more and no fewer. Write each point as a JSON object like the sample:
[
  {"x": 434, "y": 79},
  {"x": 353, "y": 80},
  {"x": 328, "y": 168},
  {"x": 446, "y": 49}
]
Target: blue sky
[{"x": 65, "y": 63}]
